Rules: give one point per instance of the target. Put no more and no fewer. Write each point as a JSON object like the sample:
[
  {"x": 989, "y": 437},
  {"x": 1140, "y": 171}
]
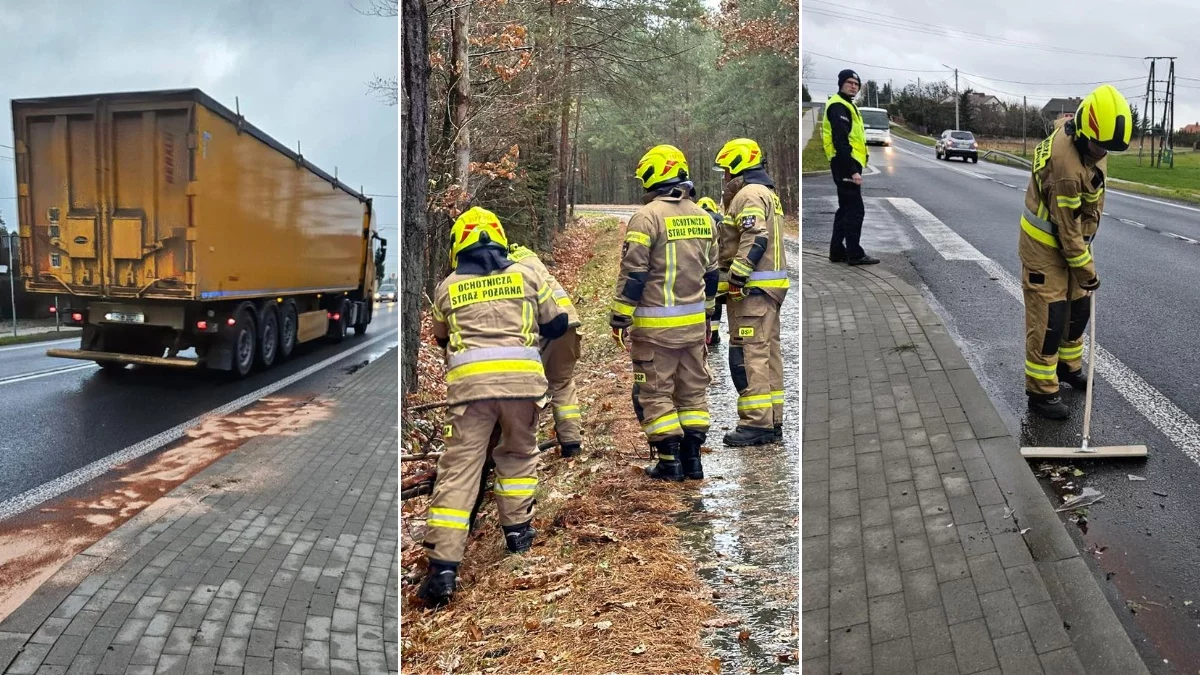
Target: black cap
[{"x": 846, "y": 75}]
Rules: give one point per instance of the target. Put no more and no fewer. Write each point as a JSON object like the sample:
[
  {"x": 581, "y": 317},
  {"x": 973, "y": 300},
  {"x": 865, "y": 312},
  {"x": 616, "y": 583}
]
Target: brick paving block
[
  {"x": 1062, "y": 662},
  {"x": 960, "y": 602},
  {"x": 275, "y": 596},
  {"x": 843, "y": 533},
  {"x": 850, "y": 649},
  {"x": 913, "y": 551},
  {"x": 317, "y": 628},
  {"x": 290, "y": 635},
  {"x": 370, "y": 615},
  {"x": 907, "y": 520},
  {"x": 966, "y": 510},
  {"x": 1012, "y": 549},
  {"x": 148, "y": 651},
  {"x": 372, "y": 662},
  {"x": 315, "y": 654},
  {"x": 115, "y": 661},
  {"x": 83, "y": 623},
  {"x": 232, "y": 651},
  {"x": 815, "y": 522},
  {"x": 1001, "y": 612},
  {"x": 895, "y": 657},
  {"x": 987, "y": 573},
  {"x": 940, "y": 530},
  {"x": 201, "y": 661},
  {"x": 191, "y": 616},
  {"x": 975, "y": 539},
  {"x": 344, "y": 620},
  {"x": 949, "y": 562},
  {"x": 172, "y": 664},
  {"x": 49, "y": 631},
  {"x": 901, "y": 495},
  {"x": 98, "y": 640},
  {"x": 977, "y": 469},
  {"x": 180, "y": 640},
  {"x": 843, "y": 504},
  {"x": 987, "y": 492},
  {"x": 1017, "y": 655},
  {"x": 210, "y": 633},
  {"x": 343, "y": 646},
  {"x": 175, "y": 601},
  {"x": 342, "y": 667},
  {"x": 938, "y": 665},
  {"x": 1045, "y": 627},
  {"x": 85, "y": 664},
  {"x": 848, "y": 605},
  {"x": 921, "y": 455},
  {"x": 889, "y": 618},
  {"x": 257, "y": 665},
  {"x": 883, "y": 577},
  {"x": 63, "y": 652},
  {"x": 321, "y": 605},
  {"x": 972, "y": 646},
  {"x": 131, "y": 631},
  {"x": 933, "y": 502},
  {"x": 29, "y": 660},
  {"x": 927, "y": 477},
  {"x": 815, "y": 595}
]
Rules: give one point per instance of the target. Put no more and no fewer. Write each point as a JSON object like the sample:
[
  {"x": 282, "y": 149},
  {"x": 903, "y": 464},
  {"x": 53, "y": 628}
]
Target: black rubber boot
[
  {"x": 743, "y": 436},
  {"x": 689, "y": 458},
  {"x": 715, "y": 337},
  {"x": 519, "y": 538},
  {"x": 1076, "y": 378},
  {"x": 568, "y": 450},
  {"x": 438, "y": 587},
  {"x": 668, "y": 467},
  {"x": 1049, "y": 406},
  {"x": 778, "y": 433}
]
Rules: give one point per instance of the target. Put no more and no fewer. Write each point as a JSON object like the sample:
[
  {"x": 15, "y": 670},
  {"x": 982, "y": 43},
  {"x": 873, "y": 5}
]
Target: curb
[{"x": 1101, "y": 642}]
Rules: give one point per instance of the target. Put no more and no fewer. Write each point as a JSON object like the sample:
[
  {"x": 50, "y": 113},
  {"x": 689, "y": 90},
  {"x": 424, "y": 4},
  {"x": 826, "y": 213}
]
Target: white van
[{"x": 875, "y": 123}]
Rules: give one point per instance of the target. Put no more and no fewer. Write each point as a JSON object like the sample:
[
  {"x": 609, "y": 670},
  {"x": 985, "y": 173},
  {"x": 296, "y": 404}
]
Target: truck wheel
[
  {"x": 361, "y": 328},
  {"x": 244, "y": 343},
  {"x": 287, "y": 330},
  {"x": 337, "y": 329},
  {"x": 268, "y": 338}
]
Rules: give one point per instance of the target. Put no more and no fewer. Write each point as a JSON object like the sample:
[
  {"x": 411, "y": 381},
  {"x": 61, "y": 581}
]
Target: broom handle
[{"x": 1087, "y": 407}]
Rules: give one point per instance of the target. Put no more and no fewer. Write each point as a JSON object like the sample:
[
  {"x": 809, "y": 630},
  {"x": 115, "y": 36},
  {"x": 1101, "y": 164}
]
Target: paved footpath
[
  {"x": 928, "y": 545},
  {"x": 279, "y": 557}
]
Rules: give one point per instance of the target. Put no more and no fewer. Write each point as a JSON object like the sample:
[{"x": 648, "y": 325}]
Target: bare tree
[
  {"x": 415, "y": 183},
  {"x": 383, "y": 88}
]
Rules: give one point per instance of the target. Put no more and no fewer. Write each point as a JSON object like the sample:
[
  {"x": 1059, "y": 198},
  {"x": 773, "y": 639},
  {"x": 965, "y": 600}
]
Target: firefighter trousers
[
  {"x": 1057, "y": 311},
  {"x": 670, "y": 388},
  {"x": 469, "y": 426},
  {"x": 756, "y": 360},
  {"x": 559, "y": 358}
]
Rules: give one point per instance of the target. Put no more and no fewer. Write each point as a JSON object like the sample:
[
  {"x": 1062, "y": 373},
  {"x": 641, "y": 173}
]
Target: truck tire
[
  {"x": 244, "y": 343},
  {"x": 287, "y": 330},
  {"x": 361, "y": 327},
  {"x": 268, "y": 338},
  {"x": 337, "y": 329}
]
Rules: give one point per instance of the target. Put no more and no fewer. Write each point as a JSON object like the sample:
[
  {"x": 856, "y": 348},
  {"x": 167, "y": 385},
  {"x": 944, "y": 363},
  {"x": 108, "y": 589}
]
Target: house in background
[
  {"x": 1191, "y": 129},
  {"x": 1058, "y": 108},
  {"x": 978, "y": 100}
]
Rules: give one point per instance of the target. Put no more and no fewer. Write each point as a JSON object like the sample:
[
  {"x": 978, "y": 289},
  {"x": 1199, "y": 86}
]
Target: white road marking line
[
  {"x": 43, "y": 344},
  {"x": 871, "y": 170},
  {"x": 46, "y": 373},
  {"x": 1131, "y": 222},
  {"x": 1159, "y": 411},
  {"x": 1180, "y": 237},
  {"x": 945, "y": 241},
  {"x": 70, "y": 481}
]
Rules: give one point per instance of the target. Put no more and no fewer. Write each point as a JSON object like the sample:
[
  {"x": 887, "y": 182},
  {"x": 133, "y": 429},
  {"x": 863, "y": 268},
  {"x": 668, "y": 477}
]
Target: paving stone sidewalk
[
  {"x": 912, "y": 562},
  {"x": 278, "y": 558}
]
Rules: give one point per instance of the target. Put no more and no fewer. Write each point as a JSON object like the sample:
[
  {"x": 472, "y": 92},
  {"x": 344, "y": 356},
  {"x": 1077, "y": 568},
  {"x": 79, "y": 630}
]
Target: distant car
[
  {"x": 877, "y": 126},
  {"x": 957, "y": 144},
  {"x": 386, "y": 293}
]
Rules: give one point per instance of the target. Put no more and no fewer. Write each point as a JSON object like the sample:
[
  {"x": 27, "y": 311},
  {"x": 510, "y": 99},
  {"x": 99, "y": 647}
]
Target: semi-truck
[{"x": 167, "y": 225}]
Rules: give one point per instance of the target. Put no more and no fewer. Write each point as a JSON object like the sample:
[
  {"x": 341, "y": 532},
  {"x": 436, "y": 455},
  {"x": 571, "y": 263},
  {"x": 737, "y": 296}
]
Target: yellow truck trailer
[{"x": 170, "y": 223}]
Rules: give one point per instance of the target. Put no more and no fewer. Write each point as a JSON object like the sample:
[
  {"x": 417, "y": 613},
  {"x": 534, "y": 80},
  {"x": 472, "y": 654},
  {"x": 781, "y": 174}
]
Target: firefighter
[
  {"x": 845, "y": 142},
  {"x": 559, "y": 357},
  {"x": 489, "y": 315},
  {"x": 752, "y": 251},
  {"x": 1062, "y": 213},
  {"x": 710, "y": 207},
  {"x": 665, "y": 292}
]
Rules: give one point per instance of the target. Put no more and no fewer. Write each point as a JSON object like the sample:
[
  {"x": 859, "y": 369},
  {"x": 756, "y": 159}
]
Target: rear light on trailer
[
  {"x": 77, "y": 317},
  {"x": 334, "y": 316},
  {"x": 230, "y": 321},
  {"x": 53, "y": 309},
  {"x": 201, "y": 325}
]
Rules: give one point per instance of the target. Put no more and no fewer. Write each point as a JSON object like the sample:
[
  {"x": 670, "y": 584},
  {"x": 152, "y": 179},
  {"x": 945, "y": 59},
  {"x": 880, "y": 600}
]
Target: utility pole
[
  {"x": 1024, "y": 127},
  {"x": 956, "y": 99},
  {"x": 12, "y": 281}
]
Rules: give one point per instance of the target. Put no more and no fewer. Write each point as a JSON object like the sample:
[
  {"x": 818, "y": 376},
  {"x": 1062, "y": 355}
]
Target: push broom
[{"x": 1085, "y": 451}]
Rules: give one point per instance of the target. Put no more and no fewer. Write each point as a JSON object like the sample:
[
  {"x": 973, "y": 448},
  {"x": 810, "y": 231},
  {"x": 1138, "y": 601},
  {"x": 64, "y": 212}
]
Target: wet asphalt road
[
  {"x": 1146, "y": 310},
  {"x": 56, "y": 423}
]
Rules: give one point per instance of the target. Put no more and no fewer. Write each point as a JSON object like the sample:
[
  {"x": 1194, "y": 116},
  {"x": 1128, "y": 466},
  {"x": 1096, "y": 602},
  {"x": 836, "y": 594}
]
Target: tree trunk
[
  {"x": 571, "y": 174},
  {"x": 461, "y": 97},
  {"x": 415, "y": 147},
  {"x": 564, "y": 140}
]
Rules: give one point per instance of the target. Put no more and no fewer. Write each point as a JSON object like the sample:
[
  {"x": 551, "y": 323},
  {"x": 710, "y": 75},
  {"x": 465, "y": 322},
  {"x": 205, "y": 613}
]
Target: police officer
[
  {"x": 489, "y": 315},
  {"x": 559, "y": 357},
  {"x": 666, "y": 289},
  {"x": 710, "y": 207},
  {"x": 752, "y": 251},
  {"x": 1063, "y": 204},
  {"x": 845, "y": 141}
]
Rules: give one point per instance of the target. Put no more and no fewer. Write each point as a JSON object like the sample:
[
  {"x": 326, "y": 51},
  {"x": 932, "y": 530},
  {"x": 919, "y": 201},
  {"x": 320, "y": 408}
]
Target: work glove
[
  {"x": 621, "y": 337},
  {"x": 736, "y": 292},
  {"x": 1091, "y": 284}
]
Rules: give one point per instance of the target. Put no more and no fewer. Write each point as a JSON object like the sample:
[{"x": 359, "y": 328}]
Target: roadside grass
[
  {"x": 39, "y": 337},
  {"x": 812, "y": 158}
]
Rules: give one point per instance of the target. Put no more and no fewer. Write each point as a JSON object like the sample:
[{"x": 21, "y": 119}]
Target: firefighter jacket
[
  {"x": 1062, "y": 206},
  {"x": 752, "y": 237},
  {"x": 844, "y": 137},
  {"x": 489, "y": 314},
  {"x": 722, "y": 275},
  {"x": 523, "y": 256},
  {"x": 668, "y": 281}
]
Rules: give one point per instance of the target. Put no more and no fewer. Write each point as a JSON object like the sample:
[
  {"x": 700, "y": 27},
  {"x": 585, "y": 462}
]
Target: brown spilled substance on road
[{"x": 36, "y": 544}]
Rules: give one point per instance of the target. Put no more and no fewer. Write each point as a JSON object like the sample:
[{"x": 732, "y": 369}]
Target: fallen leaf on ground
[
  {"x": 539, "y": 655},
  {"x": 474, "y": 631},
  {"x": 743, "y": 636},
  {"x": 714, "y": 666},
  {"x": 640, "y": 649},
  {"x": 556, "y": 594},
  {"x": 722, "y": 622},
  {"x": 602, "y": 625},
  {"x": 532, "y": 623},
  {"x": 577, "y": 623}
]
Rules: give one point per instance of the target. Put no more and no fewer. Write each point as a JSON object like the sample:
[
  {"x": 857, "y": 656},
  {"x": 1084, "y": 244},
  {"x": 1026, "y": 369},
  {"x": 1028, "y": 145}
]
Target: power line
[
  {"x": 1052, "y": 84},
  {"x": 870, "y": 65},
  {"x": 873, "y": 18}
]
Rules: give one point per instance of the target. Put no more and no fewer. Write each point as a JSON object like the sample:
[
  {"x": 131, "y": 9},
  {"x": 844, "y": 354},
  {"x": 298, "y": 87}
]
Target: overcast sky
[
  {"x": 299, "y": 67},
  {"x": 904, "y": 34}
]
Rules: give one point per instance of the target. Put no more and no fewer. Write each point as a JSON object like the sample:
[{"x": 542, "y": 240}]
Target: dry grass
[{"x": 607, "y": 587}]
